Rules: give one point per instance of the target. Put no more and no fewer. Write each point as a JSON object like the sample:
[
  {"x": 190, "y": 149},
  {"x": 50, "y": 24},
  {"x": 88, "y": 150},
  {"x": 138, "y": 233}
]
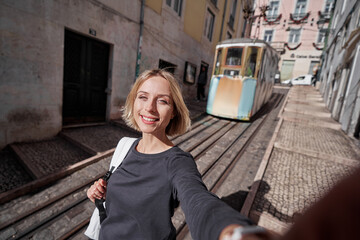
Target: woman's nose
[{"x": 150, "y": 105}]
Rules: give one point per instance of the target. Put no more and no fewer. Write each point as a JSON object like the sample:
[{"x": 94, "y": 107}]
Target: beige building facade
[
  {"x": 296, "y": 28},
  {"x": 73, "y": 62}
]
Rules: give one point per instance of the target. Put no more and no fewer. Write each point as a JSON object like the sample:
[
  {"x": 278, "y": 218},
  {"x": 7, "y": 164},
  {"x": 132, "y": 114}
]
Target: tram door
[{"x": 86, "y": 68}]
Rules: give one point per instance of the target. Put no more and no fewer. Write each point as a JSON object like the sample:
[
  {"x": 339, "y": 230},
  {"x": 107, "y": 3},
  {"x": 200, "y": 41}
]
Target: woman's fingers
[
  {"x": 97, "y": 190},
  {"x": 101, "y": 185}
]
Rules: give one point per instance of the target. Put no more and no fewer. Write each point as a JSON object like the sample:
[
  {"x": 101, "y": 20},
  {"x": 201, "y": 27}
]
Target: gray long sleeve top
[{"x": 143, "y": 192}]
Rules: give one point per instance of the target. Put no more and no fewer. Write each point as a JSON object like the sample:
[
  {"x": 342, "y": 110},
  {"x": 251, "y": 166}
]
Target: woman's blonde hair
[{"x": 181, "y": 121}]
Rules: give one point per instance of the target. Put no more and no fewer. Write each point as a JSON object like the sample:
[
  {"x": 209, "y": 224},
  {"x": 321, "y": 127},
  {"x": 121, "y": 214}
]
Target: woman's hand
[{"x": 97, "y": 190}]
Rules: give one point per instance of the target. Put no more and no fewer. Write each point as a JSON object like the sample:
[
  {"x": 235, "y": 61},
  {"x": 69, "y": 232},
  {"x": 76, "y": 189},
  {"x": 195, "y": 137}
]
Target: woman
[{"x": 155, "y": 176}]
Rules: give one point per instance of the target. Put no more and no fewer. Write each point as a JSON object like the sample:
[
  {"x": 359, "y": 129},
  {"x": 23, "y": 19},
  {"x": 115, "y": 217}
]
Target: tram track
[
  {"x": 30, "y": 215},
  {"x": 216, "y": 145},
  {"x": 218, "y": 170}
]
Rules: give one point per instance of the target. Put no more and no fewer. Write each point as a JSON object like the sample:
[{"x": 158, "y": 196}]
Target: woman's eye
[
  {"x": 163, "y": 101},
  {"x": 142, "y": 97}
]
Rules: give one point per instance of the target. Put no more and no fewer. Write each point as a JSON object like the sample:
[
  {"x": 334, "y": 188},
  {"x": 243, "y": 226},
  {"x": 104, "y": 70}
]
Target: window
[
  {"x": 176, "y": 5},
  {"x": 209, "y": 24},
  {"x": 189, "y": 73},
  {"x": 294, "y": 36},
  {"x": 322, "y": 35},
  {"x": 343, "y": 6},
  {"x": 333, "y": 49},
  {"x": 345, "y": 32},
  {"x": 268, "y": 35},
  {"x": 335, "y": 21},
  {"x": 300, "y": 9},
  {"x": 251, "y": 62},
  {"x": 233, "y": 56},
  {"x": 329, "y": 5},
  {"x": 272, "y": 13},
  {"x": 232, "y": 14},
  {"x": 231, "y": 72},
  {"x": 301, "y": 78},
  {"x": 170, "y": 67}
]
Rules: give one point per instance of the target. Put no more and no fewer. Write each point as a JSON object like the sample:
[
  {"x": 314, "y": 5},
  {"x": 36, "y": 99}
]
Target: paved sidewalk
[{"x": 307, "y": 155}]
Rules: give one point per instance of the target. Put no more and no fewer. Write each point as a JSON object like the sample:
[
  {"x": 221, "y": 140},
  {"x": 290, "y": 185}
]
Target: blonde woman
[{"x": 155, "y": 176}]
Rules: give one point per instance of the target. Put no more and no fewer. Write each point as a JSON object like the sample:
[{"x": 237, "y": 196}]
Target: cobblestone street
[
  {"x": 309, "y": 154},
  {"x": 298, "y": 156}
]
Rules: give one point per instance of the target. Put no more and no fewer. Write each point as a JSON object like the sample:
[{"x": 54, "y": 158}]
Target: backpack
[{"x": 121, "y": 151}]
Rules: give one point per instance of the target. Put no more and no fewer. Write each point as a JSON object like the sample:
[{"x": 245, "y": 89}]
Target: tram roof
[{"x": 242, "y": 41}]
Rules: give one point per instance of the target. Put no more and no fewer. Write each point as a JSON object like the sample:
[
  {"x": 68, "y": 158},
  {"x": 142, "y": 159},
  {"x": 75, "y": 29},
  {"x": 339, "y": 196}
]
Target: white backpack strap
[{"x": 121, "y": 150}]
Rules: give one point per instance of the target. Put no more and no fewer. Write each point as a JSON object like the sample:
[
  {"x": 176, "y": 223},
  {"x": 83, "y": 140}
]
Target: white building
[
  {"x": 296, "y": 29},
  {"x": 340, "y": 71}
]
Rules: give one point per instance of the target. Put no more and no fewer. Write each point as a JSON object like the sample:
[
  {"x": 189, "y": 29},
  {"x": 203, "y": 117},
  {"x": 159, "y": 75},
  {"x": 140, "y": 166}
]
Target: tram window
[
  {"x": 218, "y": 61},
  {"x": 231, "y": 72},
  {"x": 251, "y": 62},
  {"x": 233, "y": 56}
]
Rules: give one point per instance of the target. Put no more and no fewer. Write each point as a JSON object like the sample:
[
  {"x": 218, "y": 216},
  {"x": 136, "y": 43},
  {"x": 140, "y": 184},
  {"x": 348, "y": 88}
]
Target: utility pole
[{"x": 138, "y": 55}]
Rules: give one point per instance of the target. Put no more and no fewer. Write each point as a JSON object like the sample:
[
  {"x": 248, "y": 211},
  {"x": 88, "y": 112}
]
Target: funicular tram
[{"x": 243, "y": 78}]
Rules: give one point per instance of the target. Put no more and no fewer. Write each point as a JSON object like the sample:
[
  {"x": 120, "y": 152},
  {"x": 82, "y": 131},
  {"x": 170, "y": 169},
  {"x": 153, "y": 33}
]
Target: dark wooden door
[{"x": 86, "y": 64}]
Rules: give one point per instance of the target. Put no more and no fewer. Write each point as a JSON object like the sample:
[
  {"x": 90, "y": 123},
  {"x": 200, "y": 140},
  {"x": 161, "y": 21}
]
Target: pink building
[{"x": 296, "y": 28}]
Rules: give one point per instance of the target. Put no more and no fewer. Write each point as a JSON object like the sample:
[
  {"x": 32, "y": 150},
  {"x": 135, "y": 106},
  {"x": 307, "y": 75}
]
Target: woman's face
[{"x": 153, "y": 106}]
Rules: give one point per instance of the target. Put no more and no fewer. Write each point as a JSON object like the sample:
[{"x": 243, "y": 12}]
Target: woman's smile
[{"x": 149, "y": 120}]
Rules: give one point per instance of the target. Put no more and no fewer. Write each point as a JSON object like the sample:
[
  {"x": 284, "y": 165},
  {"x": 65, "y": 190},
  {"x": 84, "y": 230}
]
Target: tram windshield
[
  {"x": 233, "y": 56},
  {"x": 231, "y": 72},
  {"x": 251, "y": 62}
]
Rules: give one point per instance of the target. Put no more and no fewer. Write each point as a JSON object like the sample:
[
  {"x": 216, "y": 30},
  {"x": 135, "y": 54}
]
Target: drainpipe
[
  {"x": 222, "y": 23},
  {"x": 138, "y": 55}
]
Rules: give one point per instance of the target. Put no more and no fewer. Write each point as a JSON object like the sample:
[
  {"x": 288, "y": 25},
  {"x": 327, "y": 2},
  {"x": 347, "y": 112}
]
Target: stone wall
[
  {"x": 31, "y": 59},
  {"x": 32, "y": 56}
]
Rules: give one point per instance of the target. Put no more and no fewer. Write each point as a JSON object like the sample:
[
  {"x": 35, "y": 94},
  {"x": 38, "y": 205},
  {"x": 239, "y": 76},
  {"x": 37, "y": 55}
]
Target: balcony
[
  {"x": 272, "y": 19},
  {"x": 278, "y": 46},
  {"x": 299, "y": 17},
  {"x": 319, "y": 45},
  {"x": 324, "y": 16}
]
